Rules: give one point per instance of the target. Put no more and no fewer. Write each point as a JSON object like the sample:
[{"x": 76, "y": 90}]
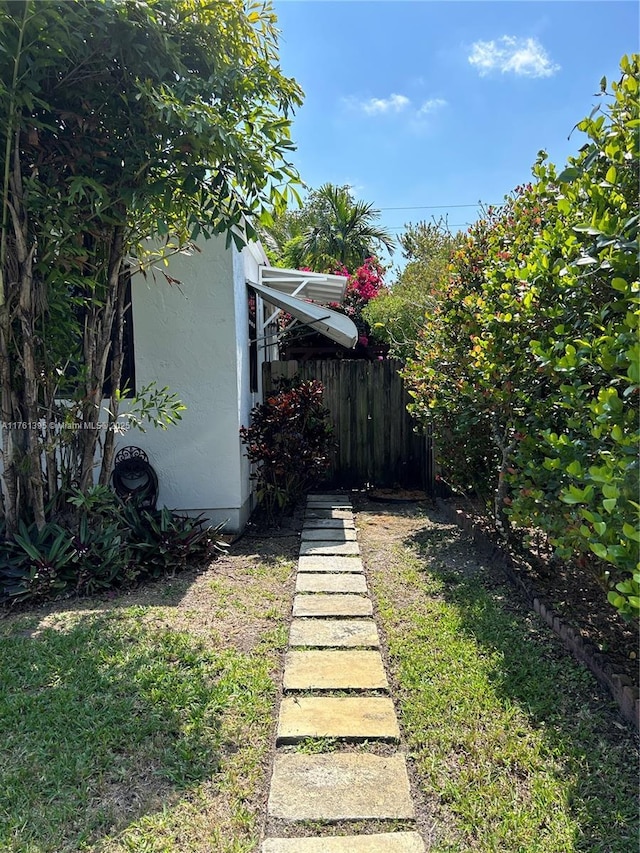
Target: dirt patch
[
  {"x": 397, "y": 495},
  {"x": 255, "y": 579}
]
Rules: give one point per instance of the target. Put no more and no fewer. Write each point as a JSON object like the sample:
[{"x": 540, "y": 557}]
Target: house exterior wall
[
  {"x": 193, "y": 337},
  {"x": 245, "y": 269}
]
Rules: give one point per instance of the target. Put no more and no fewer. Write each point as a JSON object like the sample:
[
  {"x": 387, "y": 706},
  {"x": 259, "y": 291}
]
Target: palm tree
[
  {"x": 343, "y": 231},
  {"x": 283, "y": 240}
]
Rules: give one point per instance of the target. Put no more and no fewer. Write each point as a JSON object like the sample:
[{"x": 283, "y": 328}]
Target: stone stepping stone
[
  {"x": 328, "y": 508},
  {"x": 385, "y": 842},
  {"x": 330, "y": 564},
  {"x": 336, "y": 604},
  {"x": 328, "y": 513},
  {"x": 334, "y": 633},
  {"x": 348, "y": 717},
  {"x": 334, "y": 670},
  {"x": 340, "y": 786},
  {"x": 327, "y": 582},
  {"x": 328, "y": 535},
  {"x": 344, "y": 549},
  {"x": 329, "y": 524}
]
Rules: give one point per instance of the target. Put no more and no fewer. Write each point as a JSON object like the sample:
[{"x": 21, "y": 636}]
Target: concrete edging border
[{"x": 625, "y": 694}]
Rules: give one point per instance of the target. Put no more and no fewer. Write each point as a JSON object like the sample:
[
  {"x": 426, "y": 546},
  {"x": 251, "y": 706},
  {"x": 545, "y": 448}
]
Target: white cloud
[
  {"x": 392, "y": 104},
  {"x": 395, "y": 104},
  {"x": 524, "y": 57},
  {"x": 431, "y": 106}
]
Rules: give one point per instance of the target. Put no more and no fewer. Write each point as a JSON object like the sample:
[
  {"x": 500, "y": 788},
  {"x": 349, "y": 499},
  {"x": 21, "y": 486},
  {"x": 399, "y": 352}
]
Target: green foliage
[
  {"x": 440, "y": 376},
  {"x": 104, "y": 556},
  {"x": 283, "y": 235},
  {"x": 586, "y": 464},
  {"x": 533, "y": 349},
  {"x": 396, "y": 315},
  {"x": 346, "y": 235},
  {"x": 192, "y": 128},
  {"x": 146, "y": 696},
  {"x": 290, "y": 441},
  {"x": 104, "y": 545},
  {"x": 37, "y": 563},
  {"x": 514, "y": 737},
  {"x": 157, "y": 406},
  {"x": 119, "y": 121},
  {"x": 331, "y": 230},
  {"x": 163, "y": 542}
]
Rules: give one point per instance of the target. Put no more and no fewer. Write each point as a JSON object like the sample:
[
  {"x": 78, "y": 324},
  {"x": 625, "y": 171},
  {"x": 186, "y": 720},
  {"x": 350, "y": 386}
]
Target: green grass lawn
[
  {"x": 143, "y": 726},
  {"x": 144, "y": 722},
  {"x": 515, "y": 747}
]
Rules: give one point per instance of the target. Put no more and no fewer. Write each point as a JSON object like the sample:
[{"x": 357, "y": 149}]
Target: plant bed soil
[
  {"x": 398, "y": 495},
  {"x": 572, "y": 601}
]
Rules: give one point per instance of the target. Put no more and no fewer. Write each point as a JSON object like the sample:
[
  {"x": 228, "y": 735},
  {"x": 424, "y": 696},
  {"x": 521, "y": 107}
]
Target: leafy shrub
[
  {"x": 290, "y": 441},
  {"x": 163, "y": 542},
  {"x": 105, "y": 544},
  {"x": 397, "y": 314},
  {"x": 104, "y": 556},
  {"x": 580, "y": 475},
  {"x": 37, "y": 563},
  {"x": 443, "y": 375},
  {"x": 533, "y": 349}
]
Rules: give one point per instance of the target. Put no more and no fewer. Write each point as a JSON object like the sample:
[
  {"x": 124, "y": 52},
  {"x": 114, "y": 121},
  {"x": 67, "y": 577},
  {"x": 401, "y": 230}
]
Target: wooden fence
[{"x": 377, "y": 445}]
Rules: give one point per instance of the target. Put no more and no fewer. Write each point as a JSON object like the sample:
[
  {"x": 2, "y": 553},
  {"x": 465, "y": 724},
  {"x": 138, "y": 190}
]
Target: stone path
[{"x": 335, "y": 686}]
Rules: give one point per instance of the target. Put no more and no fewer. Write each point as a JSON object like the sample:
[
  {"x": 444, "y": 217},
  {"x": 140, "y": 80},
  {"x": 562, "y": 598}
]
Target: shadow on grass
[
  {"x": 518, "y": 742},
  {"x": 108, "y": 716},
  {"x": 527, "y": 667},
  {"x": 170, "y": 589},
  {"x": 102, "y": 721},
  {"x": 536, "y": 671}
]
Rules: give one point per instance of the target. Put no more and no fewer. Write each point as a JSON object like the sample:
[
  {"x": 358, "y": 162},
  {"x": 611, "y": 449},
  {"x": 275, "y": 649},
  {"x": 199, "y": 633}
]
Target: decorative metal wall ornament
[{"x": 134, "y": 478}]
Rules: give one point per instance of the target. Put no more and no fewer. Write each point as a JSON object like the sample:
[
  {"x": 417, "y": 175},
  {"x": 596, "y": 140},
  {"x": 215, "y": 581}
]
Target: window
[{"x": 253, "y": 342}]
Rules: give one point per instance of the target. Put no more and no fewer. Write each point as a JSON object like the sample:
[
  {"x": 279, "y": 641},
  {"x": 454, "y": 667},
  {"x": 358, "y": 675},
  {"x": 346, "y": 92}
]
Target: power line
[
  {"x": 449, "y": 225},
  {"x": 436, "y": 206}
]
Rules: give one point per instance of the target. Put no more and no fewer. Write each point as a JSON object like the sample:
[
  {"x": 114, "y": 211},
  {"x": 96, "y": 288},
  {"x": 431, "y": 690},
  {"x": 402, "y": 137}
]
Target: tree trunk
[
  {"x": 50, "y": 442},
  {"x": 117, "y": 360},
  {"x": 10, "y": 495},
  {"x": 506, "y": 448},
  {"x": 9, "y": 474},
  {"x": 30, "y": 394},
  {"x": 97, "y": 343},
  {"x": 25, "y": 255}
]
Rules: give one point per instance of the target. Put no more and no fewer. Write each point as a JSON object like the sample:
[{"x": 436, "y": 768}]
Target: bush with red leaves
[{"x": 290, "y": 442}]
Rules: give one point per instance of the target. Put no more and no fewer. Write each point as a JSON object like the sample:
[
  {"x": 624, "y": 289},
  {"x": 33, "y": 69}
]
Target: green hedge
[{"x": 529, "y": 369}]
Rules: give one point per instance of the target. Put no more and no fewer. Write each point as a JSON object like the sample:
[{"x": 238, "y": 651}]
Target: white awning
[
  {"x": 338, "y": 327},
  {"x": 319, "y": 287}
]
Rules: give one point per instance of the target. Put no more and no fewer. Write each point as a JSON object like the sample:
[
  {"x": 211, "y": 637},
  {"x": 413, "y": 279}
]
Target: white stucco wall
[
  {"x": 193, "y": 338},
  {"x": 245, "y": 269}
]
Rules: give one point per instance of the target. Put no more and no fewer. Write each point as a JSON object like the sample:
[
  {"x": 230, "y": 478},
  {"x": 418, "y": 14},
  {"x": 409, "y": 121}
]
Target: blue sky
[{"x": 436, "y": 104}]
